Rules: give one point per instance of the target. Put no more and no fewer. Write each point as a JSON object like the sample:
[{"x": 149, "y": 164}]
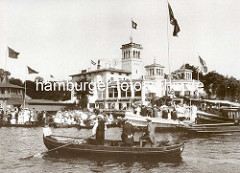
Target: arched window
[
  {"x": 133, "y": 54},
  {"x": 123, "y": 55},
  {"x": 138, "y": 54}
]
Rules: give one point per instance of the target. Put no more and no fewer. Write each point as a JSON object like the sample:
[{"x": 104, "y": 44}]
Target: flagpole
[
  {"x": 169, "y": 70},
  {"x": 198, "y": 73},
  {"x": 6, "y": 60},
  {"x": 131, "y": 37},
  {"x": 90, "y": 66},
  {"x": 25, "y": 91},
  {"x": 198, "y": 68}
]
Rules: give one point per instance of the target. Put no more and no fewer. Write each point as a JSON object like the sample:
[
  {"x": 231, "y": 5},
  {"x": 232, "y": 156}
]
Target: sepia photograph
[{"x": 119, "y": 86}]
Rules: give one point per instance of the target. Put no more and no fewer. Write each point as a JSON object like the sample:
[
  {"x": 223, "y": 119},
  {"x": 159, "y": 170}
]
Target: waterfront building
[
  {"x": 13, "y": 96},
  {"x": 133, "y": 82},
  {"x": 10, "y": 94}
]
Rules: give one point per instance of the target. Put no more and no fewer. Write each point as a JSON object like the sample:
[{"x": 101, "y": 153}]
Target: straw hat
[
  {"x": 100, "y": 116},
  {"x": 119, "y": 118}
]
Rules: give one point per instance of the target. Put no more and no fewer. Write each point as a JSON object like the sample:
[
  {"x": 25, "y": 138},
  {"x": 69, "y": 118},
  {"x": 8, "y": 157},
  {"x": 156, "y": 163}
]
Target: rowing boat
[{"x": 80, "y": 147}]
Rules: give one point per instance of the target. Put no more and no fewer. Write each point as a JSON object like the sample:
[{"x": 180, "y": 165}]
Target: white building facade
[{"x": 121, "y": 87}]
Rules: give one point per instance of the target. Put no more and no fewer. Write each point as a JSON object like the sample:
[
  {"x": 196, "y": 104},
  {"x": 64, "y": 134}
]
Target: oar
[{"x": 39, "y": 154}]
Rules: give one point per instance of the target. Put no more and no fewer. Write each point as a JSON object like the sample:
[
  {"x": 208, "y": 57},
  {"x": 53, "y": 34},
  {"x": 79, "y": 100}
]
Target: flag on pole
[
  {"x": 173, "y": 21},
  {"x": 203, "y": 64},
  {"x": 12, "y": 53},
  {"x": 134, "y": 25},
  {"x": 93, "y": 63},
  {"x": 31, "y": 71}
]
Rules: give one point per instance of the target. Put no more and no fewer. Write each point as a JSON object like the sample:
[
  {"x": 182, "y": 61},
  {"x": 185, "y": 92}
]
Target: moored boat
[
  {"x": 218, "y": 128},
  {"x": 80, "y": 146},
  {"x": 160, "y": 124},
  {"x": 210, "y": 118}
]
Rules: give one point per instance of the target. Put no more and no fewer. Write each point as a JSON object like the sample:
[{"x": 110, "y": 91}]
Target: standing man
[
  {"x": 44, "y": 117},
  {"x": 144, "y": 111},
  {"x": 99, "y": 130},
  {"x": 1, "y": 116},
  {"x": 155, "y": 111}
]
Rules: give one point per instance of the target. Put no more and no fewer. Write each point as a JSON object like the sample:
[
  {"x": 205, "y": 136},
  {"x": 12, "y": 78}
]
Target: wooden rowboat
[{"x": 80, "y": 147}]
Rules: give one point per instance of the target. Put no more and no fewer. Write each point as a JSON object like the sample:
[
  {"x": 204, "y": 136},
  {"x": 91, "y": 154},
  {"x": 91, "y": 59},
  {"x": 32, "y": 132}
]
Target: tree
[
  {"x": 216, "y": 85},
  {"x": 82, "y": 95},
  {"x": 15, "y": 81},
  {"x": 4, "y": 73}
]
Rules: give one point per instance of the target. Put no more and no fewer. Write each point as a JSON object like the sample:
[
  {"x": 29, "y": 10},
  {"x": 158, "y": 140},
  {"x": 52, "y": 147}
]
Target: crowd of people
[
  {"x": 21, "y": 116},
  {"x": 69, "y": 117},
  {"x": 174, "y": 112},
  {"x": 83, "y": 118}
]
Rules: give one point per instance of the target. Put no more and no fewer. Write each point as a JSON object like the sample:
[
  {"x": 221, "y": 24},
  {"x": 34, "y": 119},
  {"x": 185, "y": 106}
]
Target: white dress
[
  {"x": 138, "y": 110},
  {"x": 47, "y": 131}
]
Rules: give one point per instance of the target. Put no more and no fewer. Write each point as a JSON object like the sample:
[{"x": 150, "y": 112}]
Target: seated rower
[
  {"x": 127, "y": 133},
  {"x": 149, "y": 134}
]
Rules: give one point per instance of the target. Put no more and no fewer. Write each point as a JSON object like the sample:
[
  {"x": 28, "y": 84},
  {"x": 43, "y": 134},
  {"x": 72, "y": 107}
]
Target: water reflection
[{"x": 126, "y": 162}]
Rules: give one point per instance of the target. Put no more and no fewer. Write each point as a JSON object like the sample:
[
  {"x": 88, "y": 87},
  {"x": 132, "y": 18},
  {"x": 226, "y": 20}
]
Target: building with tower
[
  {"x": 132, "y": 82},
  {"x": 132, "y": 60}
]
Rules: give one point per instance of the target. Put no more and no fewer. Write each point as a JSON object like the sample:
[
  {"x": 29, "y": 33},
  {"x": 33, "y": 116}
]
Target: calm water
[{"x": 202, "y": 154}]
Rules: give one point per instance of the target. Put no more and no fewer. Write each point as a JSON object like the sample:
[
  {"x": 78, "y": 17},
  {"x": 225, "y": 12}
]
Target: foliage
[
  {"x": 83, "y": 93},
  {"x": 15, "y": 81},
  {"x": 218, "y": 86},
  {"x": 4, "y": 73},
  {"x": 49, "y": 95}
]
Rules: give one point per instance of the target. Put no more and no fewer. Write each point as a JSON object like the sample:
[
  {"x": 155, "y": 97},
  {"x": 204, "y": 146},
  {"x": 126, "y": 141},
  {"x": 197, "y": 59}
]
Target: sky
[{"x": 60, "y": 37}]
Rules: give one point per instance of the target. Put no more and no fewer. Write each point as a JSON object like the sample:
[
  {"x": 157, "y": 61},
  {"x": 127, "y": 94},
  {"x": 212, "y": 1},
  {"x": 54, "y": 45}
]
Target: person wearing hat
[
  {"x": 144, "y": 111},
  {"x": 148, "y": 135},
  {"x": 127, "y": 133}
]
